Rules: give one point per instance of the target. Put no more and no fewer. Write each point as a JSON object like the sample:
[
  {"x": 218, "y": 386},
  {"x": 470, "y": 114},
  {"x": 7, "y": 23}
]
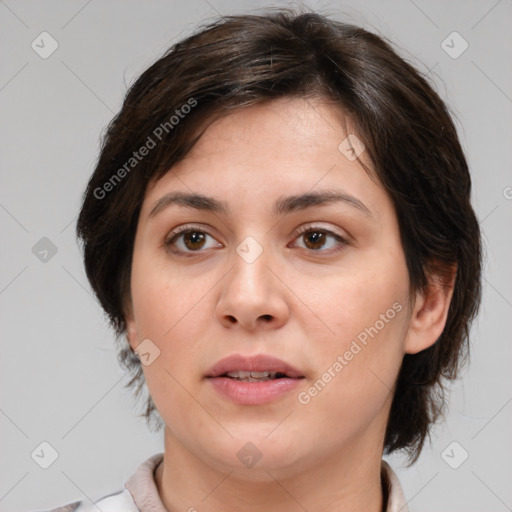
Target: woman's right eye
[{"x": 186, "y": 240}]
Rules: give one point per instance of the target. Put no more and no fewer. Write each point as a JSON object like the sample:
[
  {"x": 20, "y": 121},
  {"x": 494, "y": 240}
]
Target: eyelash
[{"x": 173, "y": 236}]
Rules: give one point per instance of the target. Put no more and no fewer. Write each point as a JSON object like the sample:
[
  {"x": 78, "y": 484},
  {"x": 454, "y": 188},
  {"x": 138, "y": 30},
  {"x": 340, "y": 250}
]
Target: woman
[{"x": 279, "y": 228}]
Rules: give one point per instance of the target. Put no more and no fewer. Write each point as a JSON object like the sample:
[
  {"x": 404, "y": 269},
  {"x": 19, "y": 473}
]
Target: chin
[{"x": 252, "y": 451}]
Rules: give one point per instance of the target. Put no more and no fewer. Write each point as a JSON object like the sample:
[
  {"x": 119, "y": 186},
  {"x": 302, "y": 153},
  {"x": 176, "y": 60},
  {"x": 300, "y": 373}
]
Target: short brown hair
[{"x": 238, "y": 61}]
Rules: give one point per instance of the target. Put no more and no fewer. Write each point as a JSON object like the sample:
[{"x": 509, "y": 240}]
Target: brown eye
[
  {"x": 193, "y": 240},
  {"x": 189, "y": 240},
  {"x": 314, "y": 239},
  {"x": 322, "y": 241}
]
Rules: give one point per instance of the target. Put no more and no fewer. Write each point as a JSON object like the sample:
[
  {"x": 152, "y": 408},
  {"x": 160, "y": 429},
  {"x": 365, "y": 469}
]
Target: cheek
[
  {"x": 359, "y": 302},
  {"x": 164, "y": 300},
  {"x": 171, "y": 311},
  {"x": 369, "y": 319}
]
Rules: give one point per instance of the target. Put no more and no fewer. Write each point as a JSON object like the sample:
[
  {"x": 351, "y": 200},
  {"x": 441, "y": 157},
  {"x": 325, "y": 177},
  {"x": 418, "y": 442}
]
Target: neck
[{"x": 348, "y": 482}]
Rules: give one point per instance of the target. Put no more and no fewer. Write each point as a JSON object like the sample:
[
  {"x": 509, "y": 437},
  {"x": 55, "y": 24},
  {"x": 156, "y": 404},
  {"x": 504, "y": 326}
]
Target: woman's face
[{"x": 307, "y": 290}]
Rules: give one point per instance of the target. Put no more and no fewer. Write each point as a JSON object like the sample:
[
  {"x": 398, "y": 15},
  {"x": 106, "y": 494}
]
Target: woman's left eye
[{"x": 319, "y": 239}]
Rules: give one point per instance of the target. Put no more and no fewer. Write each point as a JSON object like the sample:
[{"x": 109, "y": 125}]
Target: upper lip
[{"x": 257, "y": 363}]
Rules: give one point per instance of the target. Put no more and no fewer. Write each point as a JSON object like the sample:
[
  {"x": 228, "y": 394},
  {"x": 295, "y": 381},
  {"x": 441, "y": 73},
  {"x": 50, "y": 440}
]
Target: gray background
[{"x": 59, "y": 378}]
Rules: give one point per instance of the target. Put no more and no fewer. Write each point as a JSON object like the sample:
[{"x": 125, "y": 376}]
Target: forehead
[
  {"x": 291, "y": 126},
  {"x": 291, "y": 144}
]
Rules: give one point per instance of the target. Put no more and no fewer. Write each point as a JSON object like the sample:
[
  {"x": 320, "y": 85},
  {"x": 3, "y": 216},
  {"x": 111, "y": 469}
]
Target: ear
[
  {"x": 131, "y": 328},
  {"x": 430, "y": 310}
]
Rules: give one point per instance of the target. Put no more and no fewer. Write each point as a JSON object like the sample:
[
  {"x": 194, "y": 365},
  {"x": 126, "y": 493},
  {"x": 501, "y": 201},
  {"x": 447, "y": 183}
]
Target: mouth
[
  {"x": 244, "y": 376},
  {"x": 258, "y": 367},
  {"x": 253, "y": 380}
]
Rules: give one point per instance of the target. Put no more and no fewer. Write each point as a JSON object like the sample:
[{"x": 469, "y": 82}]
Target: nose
[{"x": 252, "y": 297}]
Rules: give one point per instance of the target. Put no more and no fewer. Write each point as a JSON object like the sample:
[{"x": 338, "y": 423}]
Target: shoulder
[
  {"x": 396, "y": 501},
  {"x": 121, "y": 501},
  {"x": 140, "y": 488}
]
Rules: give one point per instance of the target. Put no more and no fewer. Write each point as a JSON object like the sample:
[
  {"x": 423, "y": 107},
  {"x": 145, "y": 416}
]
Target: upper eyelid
[
  {"x": 188, "y": 227},
  {"x": 302, "y": 227},
  {"x": 314, "y": 225}
]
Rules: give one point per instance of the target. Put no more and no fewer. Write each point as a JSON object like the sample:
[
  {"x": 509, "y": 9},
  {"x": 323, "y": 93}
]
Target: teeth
[{"x": 252, "y": 376}]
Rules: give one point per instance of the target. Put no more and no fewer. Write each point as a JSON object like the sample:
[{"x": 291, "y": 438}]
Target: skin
[{"x": 300, "y": 302}]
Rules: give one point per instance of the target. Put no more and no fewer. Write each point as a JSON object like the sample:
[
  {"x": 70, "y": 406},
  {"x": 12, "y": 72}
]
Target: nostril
[
  {"x": 232, "y": 319},
  {"x": 267, "y": 317}
]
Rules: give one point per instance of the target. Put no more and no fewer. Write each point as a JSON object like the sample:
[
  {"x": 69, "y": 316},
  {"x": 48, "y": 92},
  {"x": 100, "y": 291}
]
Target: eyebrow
[{"x": 284, "y": 205}]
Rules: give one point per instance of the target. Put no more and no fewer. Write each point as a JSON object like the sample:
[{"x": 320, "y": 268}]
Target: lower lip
[{"x": 253, "y": 393}]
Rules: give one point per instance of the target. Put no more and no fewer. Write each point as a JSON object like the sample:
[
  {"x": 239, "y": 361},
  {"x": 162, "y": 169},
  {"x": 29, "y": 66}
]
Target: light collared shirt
[{"x": 140, "y": 493}]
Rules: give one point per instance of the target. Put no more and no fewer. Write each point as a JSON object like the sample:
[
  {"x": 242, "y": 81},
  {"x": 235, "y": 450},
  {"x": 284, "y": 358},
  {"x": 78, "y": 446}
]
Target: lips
[
  {"x": 256, "y": 367},
  {"x": 254, "y": 380}
]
